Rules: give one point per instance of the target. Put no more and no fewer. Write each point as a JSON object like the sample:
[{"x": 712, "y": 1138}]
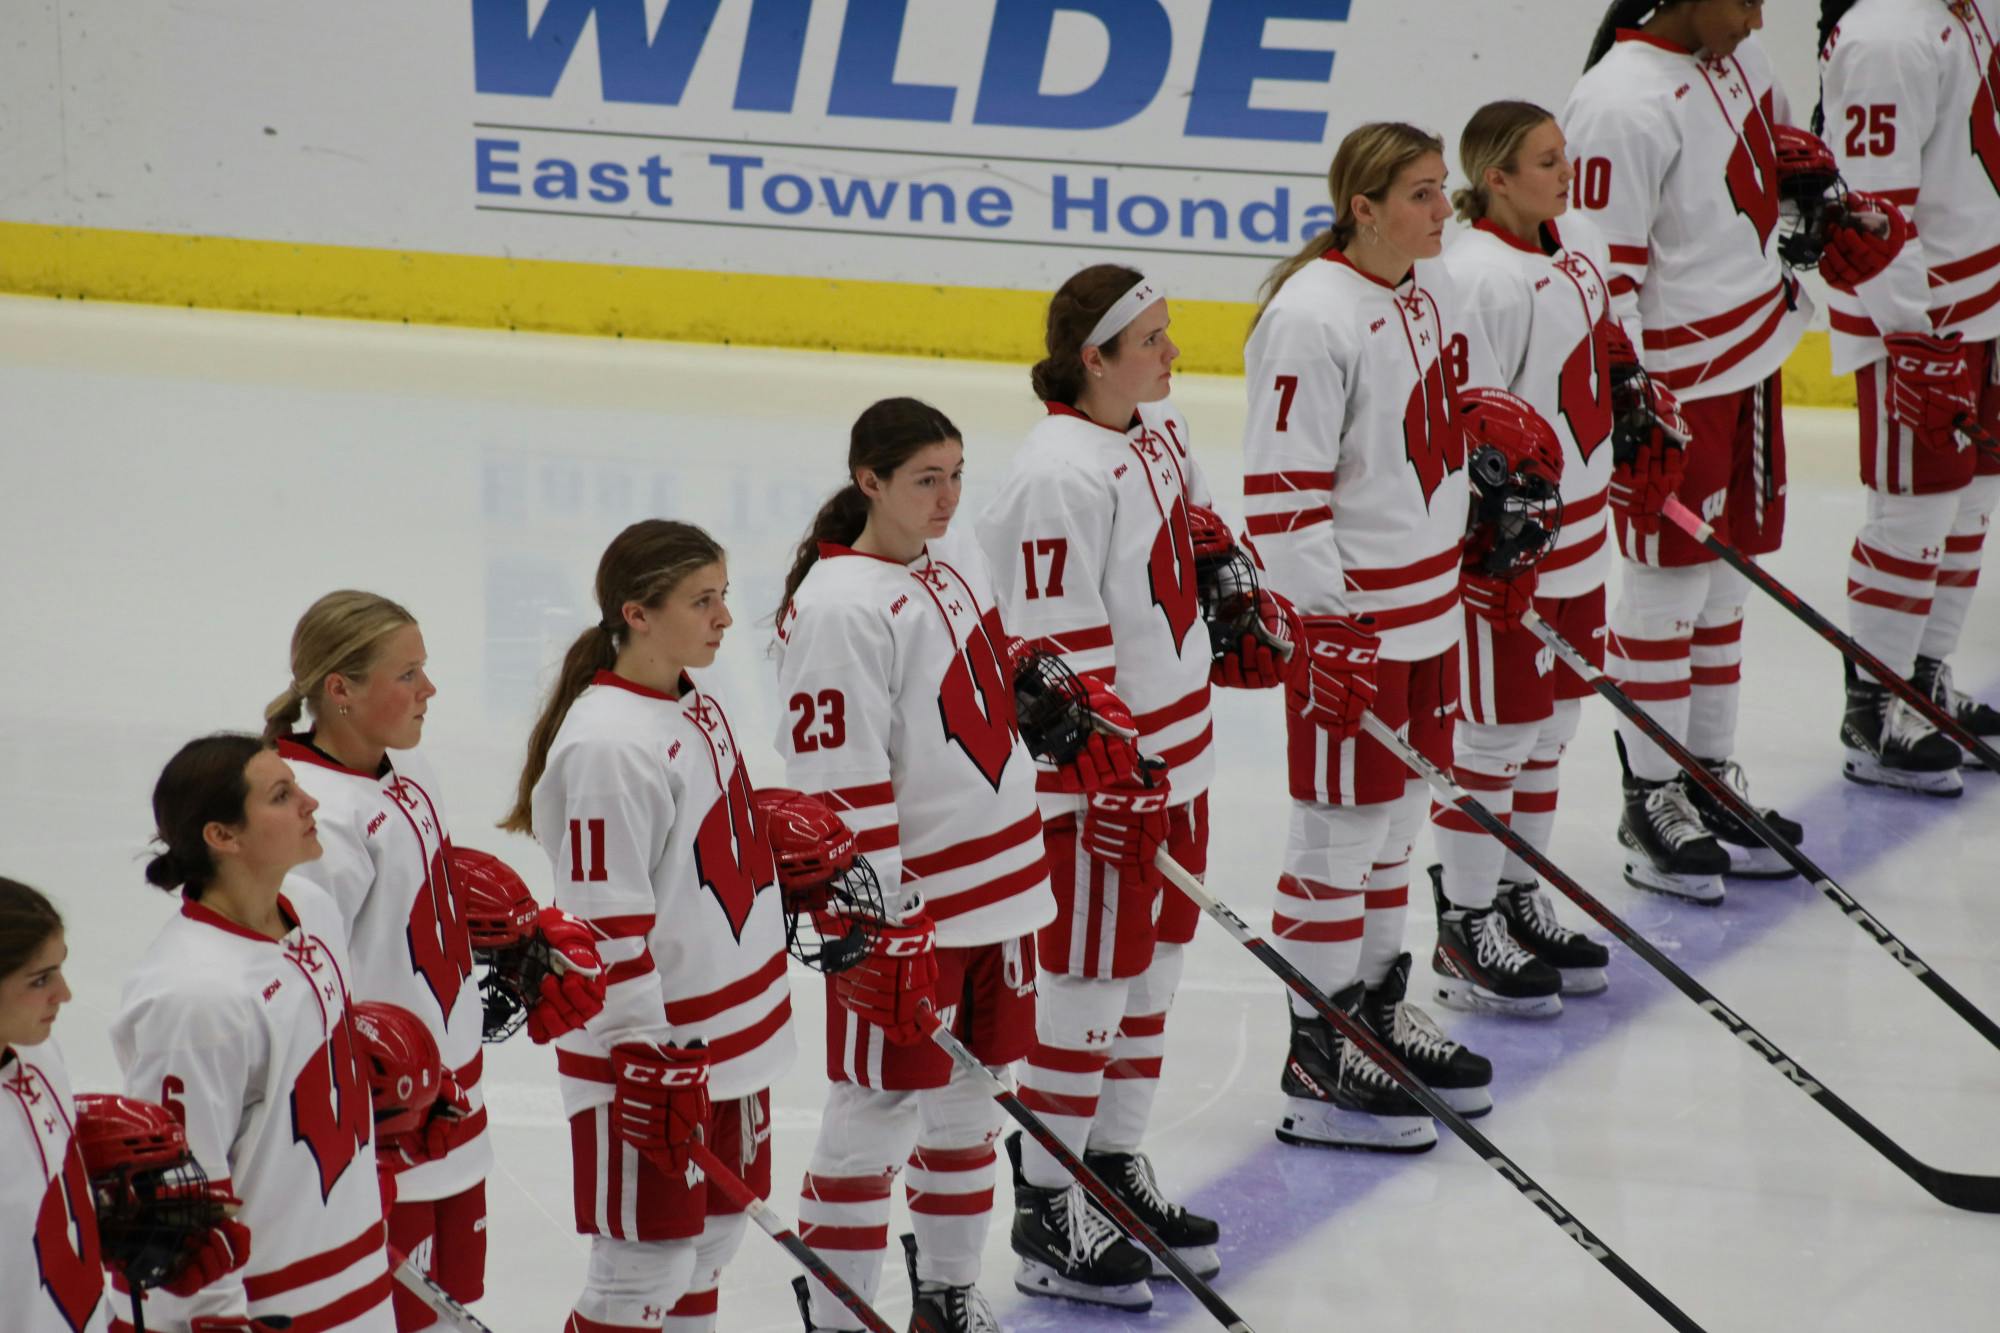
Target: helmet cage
[
  {"x": 148, "y": 1218},
  {"x": 834, "y": 926},
  {"x": 1051, "y": 707},
  {"x": 1517, "y": 514},
  {"x": 1227, "y": 586},
  {"x": 1812, "y": 199},
  {"x": 509, "y": 985}
]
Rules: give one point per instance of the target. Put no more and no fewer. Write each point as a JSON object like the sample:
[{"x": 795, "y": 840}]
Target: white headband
[{"x": 1123, "y": 311}]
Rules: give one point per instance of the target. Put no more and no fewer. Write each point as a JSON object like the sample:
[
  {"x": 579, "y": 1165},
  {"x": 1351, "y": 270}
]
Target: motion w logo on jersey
[
  {"x": 976, "y": 707},
  {"x": 1986, "y": 120},
  {"x": 1431, "y": 438},
  {"x": 1584, "y": 388},
  {"x": 440, "y": 940},
  {"x": 331, "y": 1114},
  {"x": 1170, "y": 570},
  {"x": 732, "y": 856},
  {"x": 1753, "y": 171},
  {"x": 66, "y": 1246}
]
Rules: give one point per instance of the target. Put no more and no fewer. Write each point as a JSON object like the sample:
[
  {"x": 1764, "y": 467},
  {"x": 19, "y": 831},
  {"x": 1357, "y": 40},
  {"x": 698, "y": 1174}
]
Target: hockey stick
[
  {"x": 1979, "y": 1193},
  {"x": 1371, "y": 1046},
  {"x": 1115, "y": 1207},
  {"x": 1971, "y": 432},
  {"x": 1684, "y": 518},
  {"x": 441, "y": 1302},
  {"x": 1744, "y": 811}
]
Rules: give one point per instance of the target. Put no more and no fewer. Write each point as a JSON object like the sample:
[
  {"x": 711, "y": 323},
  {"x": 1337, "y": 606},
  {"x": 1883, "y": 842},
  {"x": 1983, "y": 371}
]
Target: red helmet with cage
[
  {"x": 1811, "y": 195},
  {"x": 833, "y": 902},
  {"x": 399, "y": 1056},
  {"x": 153, "y": 1200},
  {"x": 499, "y": 910},
  {"x": 1225, "y": 576},
  {"x": 1515, "y": 464}
]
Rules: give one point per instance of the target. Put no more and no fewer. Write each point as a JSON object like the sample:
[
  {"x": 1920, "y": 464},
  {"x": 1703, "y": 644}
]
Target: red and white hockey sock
[
  {"x": 1716, "y": 662},
  {"x": 1386, "y": 904},
  {"x": 1076, "y": 1022},
  {"x": 1892, "y": 573},
  {"x": 1648, "y": 654},
  {"x": 1958, "y": 571},
  {"x": 950, "y": 1185},
  {"x": 1535, "y": 790},
  {"x": 721, "y": 1236},
  {"x": 629, "y": 1285},
  {"x": 1487, "y": 761},
  {"x": 1132, "y": 1079},
  {"x": 864, "y": 1136},
  {"x": 1316, "y": 924}
]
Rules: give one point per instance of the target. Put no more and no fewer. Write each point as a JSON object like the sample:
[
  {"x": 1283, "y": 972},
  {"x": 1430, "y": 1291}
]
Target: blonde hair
[
  {"x": 1367, "y": 163},
  {"x": 340, "y": 634},
  {"x": 1492, "y": 139}
]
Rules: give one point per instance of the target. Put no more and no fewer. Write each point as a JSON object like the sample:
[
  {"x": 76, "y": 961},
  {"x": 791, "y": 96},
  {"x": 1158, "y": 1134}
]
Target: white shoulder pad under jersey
[
  {"x": 51, "y": 1266},
  {"x": 899, "y": 712},
  {"x": 1546, "y": 312},
  {"x": 386, "y": 866},
  {"x": 1912, "y": 102},
  {"x": 1354, "y": 488},
  {"x": 1088, "y": 543},
  {"x": 644, "y": 811},
  {"x": 1677, "y": 164},
  {"x": 247, "y": 1039}
]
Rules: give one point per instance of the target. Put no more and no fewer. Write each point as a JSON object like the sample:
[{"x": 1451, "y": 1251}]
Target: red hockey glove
[
  {"x": 223, "y": 1249},
  {"x": 1332, "y": 680},
  {"x": 1124, "y": 826},
  {"x": 660, "y": 1104},
  {"x": 1855, "y": 250},
  {"x": 1648, "y": 456},
  {"x": 1104, "y": 760},
  {"x": 891, "y": 986},
  {"x": 1929, "y": 387},
  {"x": 437, "y": 1136},
  {"x": 573, "y": 993},
  {"x": 1254, "y": 664},
  {"x": 1501, "y": 600}
]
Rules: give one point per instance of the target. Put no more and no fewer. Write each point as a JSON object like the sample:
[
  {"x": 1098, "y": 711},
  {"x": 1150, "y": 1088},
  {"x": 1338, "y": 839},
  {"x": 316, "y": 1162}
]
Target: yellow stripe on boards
[{"x": 557, "y": 296}]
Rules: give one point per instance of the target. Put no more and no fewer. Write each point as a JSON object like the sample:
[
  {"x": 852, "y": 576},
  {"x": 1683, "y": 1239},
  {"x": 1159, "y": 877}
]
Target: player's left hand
[
  {"x": 439, "y": 1133},
  {"x": 1104, "y": 760},
  {"x": 573, "y": 992},
  {"x": 1126, "y": 825},
  {"x": 1864, "y": 243},
  {"x": 892, "y": 986},
  {"x": 1254, "y": 664},
  {"x": 1501, "y": 600},
  {"x": 222, "y": 1249}
]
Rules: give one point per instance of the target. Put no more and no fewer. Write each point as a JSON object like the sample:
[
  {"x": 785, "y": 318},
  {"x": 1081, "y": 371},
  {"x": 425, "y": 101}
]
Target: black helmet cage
[
  {"x": 1516, "y": 515},
  {"x": 835, "y": 926},
  {"x": 1810, "y": 204},
  {"x": 1632, "y": 419},
  {"x": 148, "y": 1220},
  {"x": 511, "y": 983},
  {"x": 1051, "y": 707},
  {"x": 1227, "y": 586}
]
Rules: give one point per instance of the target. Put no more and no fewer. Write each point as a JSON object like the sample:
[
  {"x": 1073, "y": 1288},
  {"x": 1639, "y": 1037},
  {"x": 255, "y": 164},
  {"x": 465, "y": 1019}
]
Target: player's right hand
[
  {"x": 890, "y": 987},
  {"x": 660, "y": 1103},
  {"x": 1648, "y": 440},
  {"x": 1126, "y": 825},
  {"x": 573, "y": 992},
  {"x": 1502, "y": 601},
  {"x": 1332, "y": 681},
  {"x": 220, "y": 1250},
  {"x": 1254, "y": 664},
  {"x": 1855, "y": 249},
  {"x": 1929, "y": 387},
  {"x": 1105, "y": 760}
]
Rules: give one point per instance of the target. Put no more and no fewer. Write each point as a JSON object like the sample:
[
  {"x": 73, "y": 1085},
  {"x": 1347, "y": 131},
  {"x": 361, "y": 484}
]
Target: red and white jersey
[
  {"x": 50, "y": 1264},
  {"x": 1545, "y": 311},
  {"x": 644, "y": 811},
  {"x": 1677, "y": 164},
  {"x": 1910, "y": 94},
  {"x": 246, "y": 1040},
  {"x": 387, "y": 868},
  {"x": 1088, "y": 543},
  {"x": 900, "y": 714},
  {"x": 1354, "y": 488}
]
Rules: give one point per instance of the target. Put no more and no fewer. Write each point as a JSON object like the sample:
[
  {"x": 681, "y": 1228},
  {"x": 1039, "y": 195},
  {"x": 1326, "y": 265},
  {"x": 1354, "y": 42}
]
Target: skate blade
[
  {"x": 1758, "y": 862},
  {"x": 1468, "y": 1102},
  {"x": 1203, "y": 1259},
  {"x": 1036, "y": 1279},
  {"x": 1869, "y": 772},
  {"x": 1584, "y": 980},
  {"x": 1704, "y": 890},
  {"x": 1462, "y": 995},
  {"x": 1316, "y": 1125}
]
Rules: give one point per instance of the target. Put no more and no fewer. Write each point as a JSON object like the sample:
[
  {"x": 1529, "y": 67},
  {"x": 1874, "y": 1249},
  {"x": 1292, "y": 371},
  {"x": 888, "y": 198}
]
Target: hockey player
[
  {"x": 1672, "y": 128},
  {"x": 1357, "y": 499},
  {"x": 895, "y": 675},
  {"x": 237, "y": 1018},
  {"x": 636, "y": 789},
  {"x": 1909, "y": 91},
  {"x": 1538, "y": 293}
]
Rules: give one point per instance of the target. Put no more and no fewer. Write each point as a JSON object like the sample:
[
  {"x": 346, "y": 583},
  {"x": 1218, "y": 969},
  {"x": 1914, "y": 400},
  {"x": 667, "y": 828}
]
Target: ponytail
[
  {"x": 595, "y": 650},
  {"x": 1621, "y": 14},
  {"x": 1492, "y": 140},
  {"x": 1333, "y": 238},
  {"x": 284, "y": 713},
  {"x": 840, "y": 520}
]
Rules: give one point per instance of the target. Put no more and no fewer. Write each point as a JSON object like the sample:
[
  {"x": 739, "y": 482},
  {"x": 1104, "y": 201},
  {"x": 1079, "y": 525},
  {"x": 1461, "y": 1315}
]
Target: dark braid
[
  {"x": 1621, "y": 14},
  {"x": 1830, "y": 14}
]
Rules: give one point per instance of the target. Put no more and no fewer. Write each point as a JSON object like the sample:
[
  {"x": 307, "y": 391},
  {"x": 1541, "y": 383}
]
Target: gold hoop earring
[
  {"x": 343, "y": 710},
  {"x": 1374, "y": 234}
]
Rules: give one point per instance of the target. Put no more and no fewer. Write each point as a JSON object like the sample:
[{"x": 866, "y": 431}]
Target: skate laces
[
  {"x": 1090, "y": 1232},
  {"x": 1139, "y": 1178},
  {"x": 1539, "y": 916},
  {"x": 965, "y": 1308},
  {"x": 1905, "y": 726},
  {"x": 1417, "y": 1033},
  {"x": 1944, "y": 695},
  {"x": 1493, "y": 944},
  {"x": 1674, "y": 816},
  {"x": 1356, "y": 1064}
]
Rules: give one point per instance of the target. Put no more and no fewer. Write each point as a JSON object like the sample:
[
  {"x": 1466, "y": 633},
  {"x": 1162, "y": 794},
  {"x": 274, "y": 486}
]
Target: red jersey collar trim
[
  {"x": 1493, "y": 228},
  {"x": 616, "y": 681},
  {"x": 192, "y": 909},
  {"x": 834, "y": 550},
  {"x": 298, "y": 749},
  {"x": 1648, "y": 39},
  {"x": 1335, "y": 256},
  {"x": 1065, "y": 410}
]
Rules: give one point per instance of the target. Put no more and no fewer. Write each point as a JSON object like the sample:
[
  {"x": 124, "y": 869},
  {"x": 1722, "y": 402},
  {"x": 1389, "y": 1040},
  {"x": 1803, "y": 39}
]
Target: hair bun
[{"x": 165, "y": 871}]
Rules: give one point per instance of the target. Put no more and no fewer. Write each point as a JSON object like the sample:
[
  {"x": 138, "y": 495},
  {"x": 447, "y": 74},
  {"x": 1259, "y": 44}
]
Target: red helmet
[
  {"x": 813, "y": 847},
  {"x": 499, "y": 910},
  {"x": 152, "y": 1198},
  {"x": 833, "y": 902},
  {"x": 1210, "y": 535},
  {"x": 1811, "y": 195},
  {"x": 1515, "y": 464},
  {"x": 399, "y": 1056},
  {"x": 1225, "y": 576},
  {"x": 1802, "y": 153}
]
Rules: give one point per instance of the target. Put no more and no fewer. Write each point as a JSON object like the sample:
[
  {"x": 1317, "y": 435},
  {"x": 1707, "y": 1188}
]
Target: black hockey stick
[
  {"x": 1975, "y": 1193},
  {"x": 1371, "y": 1046},
  {"x": 1106, "y": 1198},
  {"x": 1744, "y": 811},
  {"x": 1684, "y": 518},
  {"x": 1970, "y": 431},
  {"x": 441, "y": 1302}
]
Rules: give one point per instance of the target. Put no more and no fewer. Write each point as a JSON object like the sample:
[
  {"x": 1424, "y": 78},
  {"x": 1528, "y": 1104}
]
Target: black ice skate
[
  {"x": 1577, "y": 958},
  {"x": 1191, "y": 1236},
  {"x": 1890, "y": 744},
  {"x": 1481, "y": 969},
  {"x": 935, "y": 1307},
  {"x": 1070, "y": 1249},
  {"x": 1668, "y": 849},
  {"x": 1454, "y": 1073},
  {"x": 1336, "y": 1097},
  {"x": 1749, "y": 856},
  {"x": 1933, "y": 677}
]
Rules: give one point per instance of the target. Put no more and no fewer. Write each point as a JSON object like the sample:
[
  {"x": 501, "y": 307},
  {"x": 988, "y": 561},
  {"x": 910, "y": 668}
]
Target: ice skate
[
  {"x": 1336, "y": 1097},
  {"x": 1891, "y": 744},
  {"x": 934, "y": 1306},
  {"x": 1454, "y": 1073},
  {"x": 1192, "y": 1236},
  {"x": 1071, "y": 1250},
  {"x": 1481, "y": 969},
  {"x": 1668, "y": 850},
  {"x": 1577, "y": 958},
  {"x": 1750, "y": 857},
  {"x": 1933, "y": 677}
]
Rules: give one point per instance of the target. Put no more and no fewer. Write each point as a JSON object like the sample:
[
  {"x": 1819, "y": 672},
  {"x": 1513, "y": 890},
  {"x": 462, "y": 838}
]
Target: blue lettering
[
  {"x": 1234, "y": 57},
  {"x": 736, "y": 166},
  {"x": 1098, "y": 204},
  {"x": 489, "y": 167},
  {"x": 608, "y": 183},
  {"x": 773, "y": 49},
  {"x": 656, "y": 173},
  {"x": 1280, "y": 213},
  {"x": 1217, "y": 215},
  {"x": 1318, "y": 218},
  {"x": 802, "y": 194},
  {"x": 1010, "y": 91},
  {"x": 510, "y": 57},
  {"x": 949, "y": 205},
  {"x": 989, "y": 206},
  {"x": 555, "y": 179},
  {"x": 842, "y": 201},
  {"x": 1128, "y": 215},
  {"x": 864, "y": 72}
]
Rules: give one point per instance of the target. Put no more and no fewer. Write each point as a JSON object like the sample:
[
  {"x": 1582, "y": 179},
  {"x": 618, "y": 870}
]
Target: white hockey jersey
[
  {"x": 900, "y": 715},
  {"x": 1354, "y": 488},
  {"x": 50, "y": 1264},
  {"x": 1545, "y": 311},
  {"x": 644, "y": 811},
  {"x": 1088, "y": 544},
  {"x": 247, "y": 1040},
  {"x": 1677, "y": 164},
  {"x": 1912, "y": 98},
  {"x": 386, "y": 868}
]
